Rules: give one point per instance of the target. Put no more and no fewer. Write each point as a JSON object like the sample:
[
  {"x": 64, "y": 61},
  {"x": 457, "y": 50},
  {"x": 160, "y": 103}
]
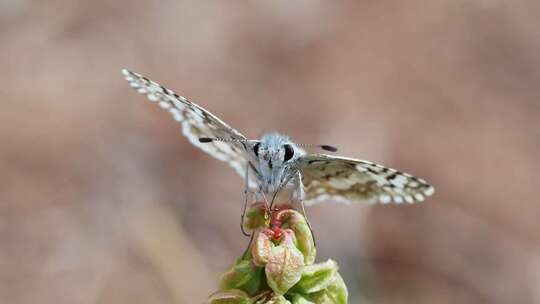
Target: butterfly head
[{"x": 273, "y": 155}]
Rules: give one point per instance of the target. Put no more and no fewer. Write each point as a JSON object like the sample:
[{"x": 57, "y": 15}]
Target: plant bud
[
  {"x": 261, "y": 248},
  {"x": 304, "y": 238},
  {"x": 285, "y": 264}
]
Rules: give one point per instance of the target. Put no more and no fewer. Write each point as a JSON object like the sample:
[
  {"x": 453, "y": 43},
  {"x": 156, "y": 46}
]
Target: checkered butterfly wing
[
  {"x": 351, "y": 180},
  {"x": 196, "y": 122}
]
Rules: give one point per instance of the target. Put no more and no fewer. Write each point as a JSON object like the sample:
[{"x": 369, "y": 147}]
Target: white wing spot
[
  {"x": 399, "y": 180},
  {"x": 153, "y": 97},
  {"x": 164, "y": 105},
  {"x": 176, "y": 114},
  {"x": 142, "y": 90},
  {"x": 413, "y": 184},
  {"x": 361, "y": 168},
  {"x": 385, "y": 199},
  {"x": 429, "y": 191}
]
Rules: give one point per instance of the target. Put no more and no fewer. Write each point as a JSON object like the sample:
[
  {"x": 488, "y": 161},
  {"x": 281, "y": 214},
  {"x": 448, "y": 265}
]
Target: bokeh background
[{"x": 103, "y": 201}]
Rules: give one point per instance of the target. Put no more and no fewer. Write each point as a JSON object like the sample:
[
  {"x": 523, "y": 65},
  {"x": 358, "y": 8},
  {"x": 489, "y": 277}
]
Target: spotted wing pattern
[
  {"x": 350, "y": 180},
  {"x": 196, "y": 122}
]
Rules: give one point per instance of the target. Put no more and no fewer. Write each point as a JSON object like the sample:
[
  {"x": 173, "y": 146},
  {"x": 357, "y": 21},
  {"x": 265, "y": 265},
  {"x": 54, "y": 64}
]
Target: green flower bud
[
  {"x": 233, "y": 296},
  {"x": 285, "y": 264},
  {"x": 317, "y": 277},
  {"x": 261, "y": 249},
  {"x": 244, "y": 275},
  {"x": 304, "y": 239}
]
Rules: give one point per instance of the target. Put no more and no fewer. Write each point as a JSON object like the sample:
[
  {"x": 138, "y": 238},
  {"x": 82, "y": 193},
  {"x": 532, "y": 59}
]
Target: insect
[{"x": 274, "y": 163}]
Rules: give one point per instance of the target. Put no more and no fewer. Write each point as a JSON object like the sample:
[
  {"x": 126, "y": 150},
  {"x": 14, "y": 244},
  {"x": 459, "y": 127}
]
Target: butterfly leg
[
  {"x": 257, "y": 194},
  {"x": 307, "y": 221},
  {"x": 267, "y": 205},
  {"x": 247, "y": 192},
  {"x": 300, "y": 196},
  {"x": 274, "y": 198},
  {"x": 246, "y": 251}
]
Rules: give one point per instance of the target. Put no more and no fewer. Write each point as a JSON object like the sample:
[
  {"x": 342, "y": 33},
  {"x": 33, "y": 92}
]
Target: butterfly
[{"x": 274, "y": 162}]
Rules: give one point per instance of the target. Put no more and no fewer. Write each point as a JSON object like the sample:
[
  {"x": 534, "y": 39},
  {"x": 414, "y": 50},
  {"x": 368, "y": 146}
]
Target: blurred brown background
[{"x": 103, "y": 200}]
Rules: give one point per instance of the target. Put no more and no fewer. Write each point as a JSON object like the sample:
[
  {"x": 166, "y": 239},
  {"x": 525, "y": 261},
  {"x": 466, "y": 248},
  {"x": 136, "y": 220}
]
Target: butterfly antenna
[
  {"x": 221, "y": 139},
  {"x": 324, "y": 147}
]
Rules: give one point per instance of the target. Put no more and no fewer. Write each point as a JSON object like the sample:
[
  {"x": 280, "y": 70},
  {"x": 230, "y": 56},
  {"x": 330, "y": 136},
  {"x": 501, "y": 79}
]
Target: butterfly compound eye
[
  {"x": 256, "y": 149},
  {"x": 289, "y": 152}
]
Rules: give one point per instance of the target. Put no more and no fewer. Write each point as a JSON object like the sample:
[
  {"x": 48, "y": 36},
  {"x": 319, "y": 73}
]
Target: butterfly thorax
[{"x": 274, "y": 158}]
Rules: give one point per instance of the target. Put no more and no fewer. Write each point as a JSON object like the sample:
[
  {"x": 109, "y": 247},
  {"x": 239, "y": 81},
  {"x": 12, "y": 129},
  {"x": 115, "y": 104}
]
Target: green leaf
[
  {"x": 243, "y": 275},
  {"x": 299, "y": 299},
  {"x": 335, "y": 293},
  {"x": 317, "y": 277}
]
